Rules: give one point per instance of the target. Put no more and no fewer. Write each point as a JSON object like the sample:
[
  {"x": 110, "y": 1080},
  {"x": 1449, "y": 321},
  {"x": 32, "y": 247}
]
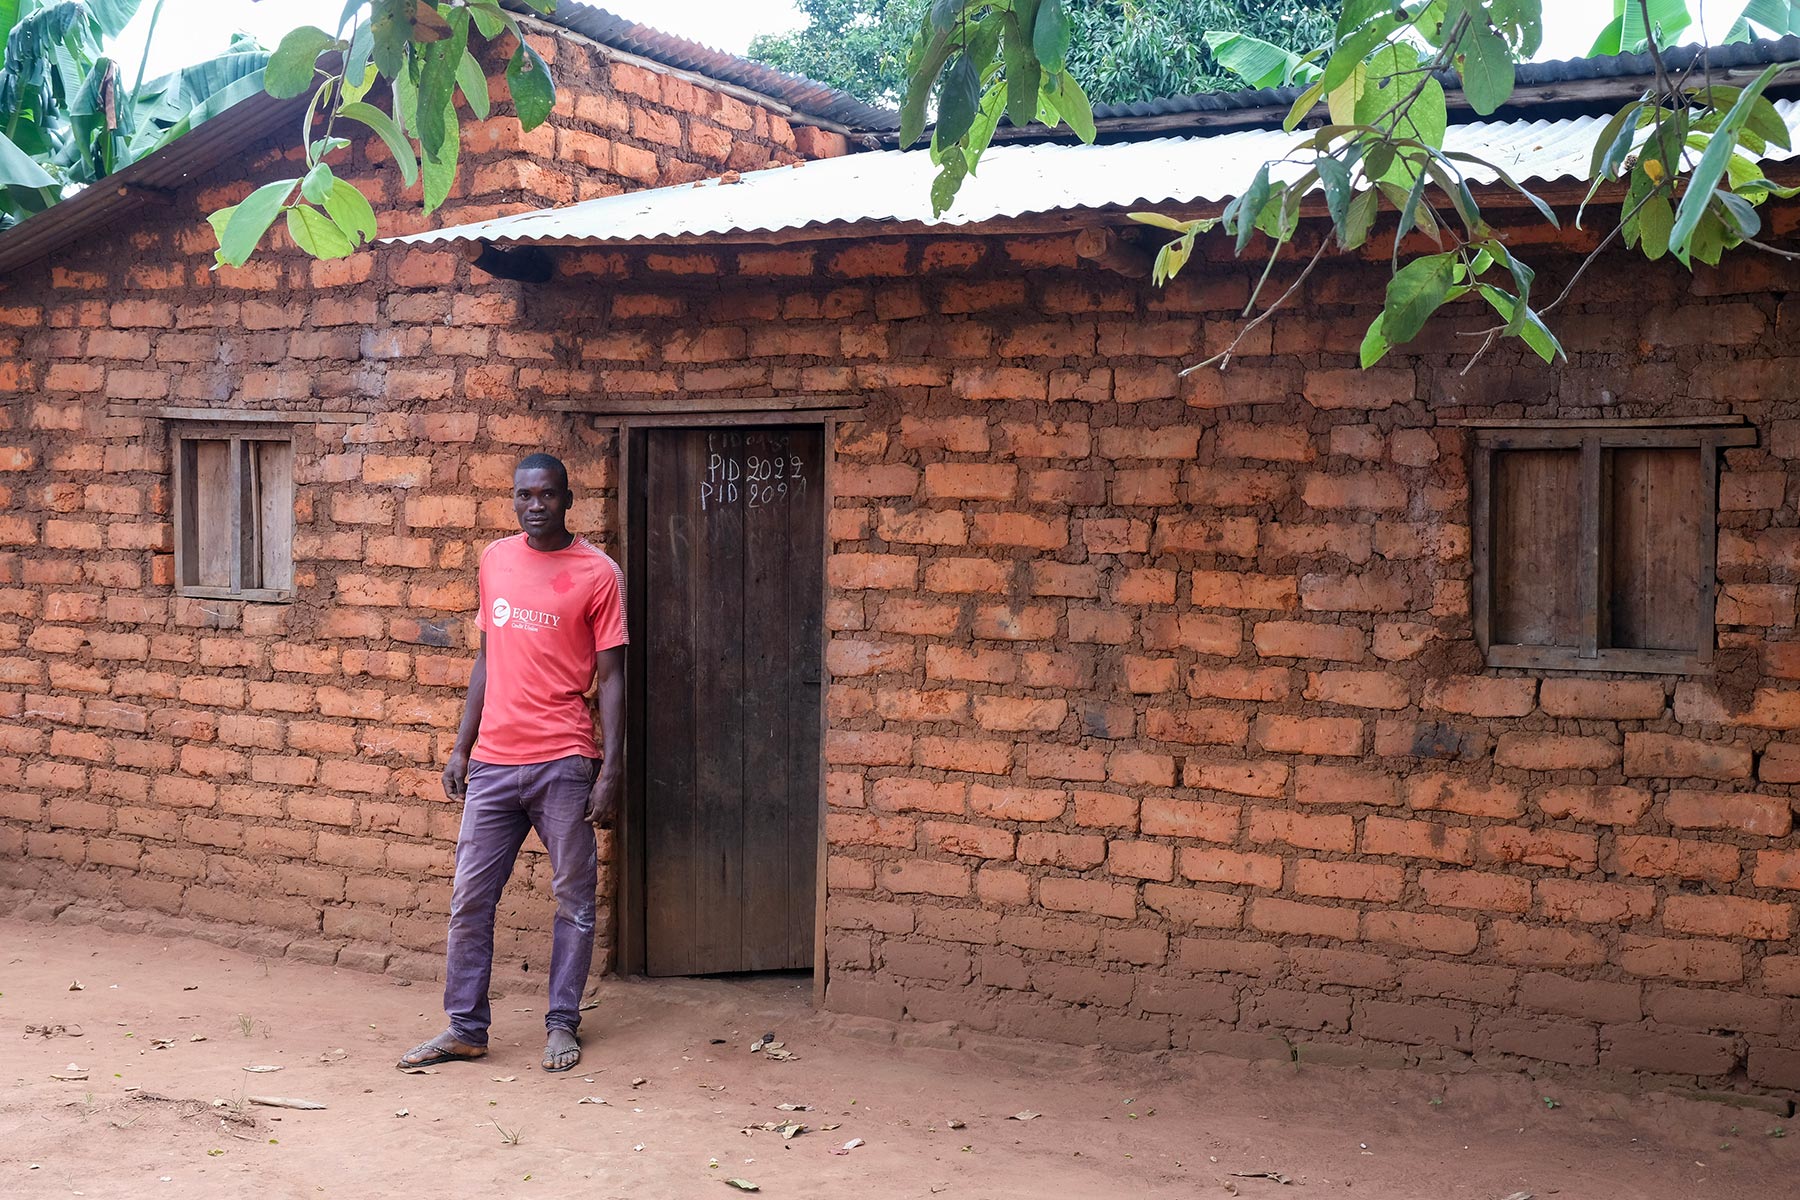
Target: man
[{"x": 552, "y": 619}]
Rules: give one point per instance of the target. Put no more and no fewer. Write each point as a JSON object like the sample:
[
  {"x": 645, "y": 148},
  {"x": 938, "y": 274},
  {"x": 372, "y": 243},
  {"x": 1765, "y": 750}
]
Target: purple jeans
[{"x": 502, "y": 805}]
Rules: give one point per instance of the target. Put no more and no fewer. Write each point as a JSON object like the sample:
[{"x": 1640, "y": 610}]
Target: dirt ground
[{"x": 168, "y": 1028}]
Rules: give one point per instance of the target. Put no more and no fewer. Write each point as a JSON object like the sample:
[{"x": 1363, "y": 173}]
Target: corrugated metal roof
[
  {"x": 146, "y": 181},
  {"x": 807, "y": 97},
  {"x": 1528, "y": 76},
  {"x": 893, "y": 186}
]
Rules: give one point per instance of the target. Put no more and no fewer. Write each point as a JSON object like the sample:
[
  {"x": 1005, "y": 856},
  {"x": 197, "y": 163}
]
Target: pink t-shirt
[{"x": 547, "y": 615}]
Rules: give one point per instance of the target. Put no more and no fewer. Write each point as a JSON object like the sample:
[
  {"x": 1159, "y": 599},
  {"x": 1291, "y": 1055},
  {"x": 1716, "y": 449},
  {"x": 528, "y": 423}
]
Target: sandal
[{"x": 430, "y": 1053}]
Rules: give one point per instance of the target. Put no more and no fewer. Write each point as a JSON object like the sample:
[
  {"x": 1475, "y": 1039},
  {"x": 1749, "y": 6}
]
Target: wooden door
[{"x": 732, "y": 628}]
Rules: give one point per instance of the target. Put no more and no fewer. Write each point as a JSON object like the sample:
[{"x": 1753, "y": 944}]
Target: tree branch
[{"x": 1223, "y": 357}]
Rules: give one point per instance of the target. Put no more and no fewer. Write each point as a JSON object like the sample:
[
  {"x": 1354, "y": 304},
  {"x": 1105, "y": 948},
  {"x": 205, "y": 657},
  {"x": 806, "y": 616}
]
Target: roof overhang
[
  {"x": 149, "y": 182},
  {"x": 888, "y": 192}
]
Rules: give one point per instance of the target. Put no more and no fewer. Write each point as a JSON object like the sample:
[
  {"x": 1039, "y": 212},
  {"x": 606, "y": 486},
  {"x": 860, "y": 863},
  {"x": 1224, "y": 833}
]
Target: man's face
[{"x": 541, "y": 502}]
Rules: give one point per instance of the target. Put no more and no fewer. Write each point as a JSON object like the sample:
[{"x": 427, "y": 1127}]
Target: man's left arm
[{"x": 609, "y": 785}]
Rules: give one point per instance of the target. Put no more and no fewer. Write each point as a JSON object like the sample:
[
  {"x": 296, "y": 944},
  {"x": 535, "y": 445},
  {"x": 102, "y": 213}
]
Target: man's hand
[
  {"x": 456, "y": 775},
  {"x": 603, "y": 799}
]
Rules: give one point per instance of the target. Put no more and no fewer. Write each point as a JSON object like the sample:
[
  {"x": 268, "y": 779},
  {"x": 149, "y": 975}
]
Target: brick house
[{"x": 984, "y": 662}]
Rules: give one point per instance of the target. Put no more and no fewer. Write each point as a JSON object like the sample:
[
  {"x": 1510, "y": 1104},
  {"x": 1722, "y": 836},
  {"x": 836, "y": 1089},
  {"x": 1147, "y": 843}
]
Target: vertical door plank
[
  {"x": 1481, "y": 508},
  {"x": 714, "y": 459},
  {"x": 241, "y": 513},
  {"x": 671, "y": 734},
  {"x": 275, "y": 516},
  {"x": 213, "y": 526},
  {"x": 1536, "y": 539},
  {"x": 806, "y": 631},
  {"x": 1589, "y": 503},
  {"x": 768, "y": 684},
  {"x": 1656, "y": 576},
  {"x": 187, "y": 512},
  {"x": 1707, "y": 585}
]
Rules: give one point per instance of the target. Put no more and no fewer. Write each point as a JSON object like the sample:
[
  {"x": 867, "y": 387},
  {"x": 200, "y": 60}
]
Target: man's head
[{"x": 541, "y": 496}]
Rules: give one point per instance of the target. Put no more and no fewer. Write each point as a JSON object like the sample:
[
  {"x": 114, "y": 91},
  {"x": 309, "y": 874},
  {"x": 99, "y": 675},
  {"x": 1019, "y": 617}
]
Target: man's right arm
[{"x": 456, "y": 771}]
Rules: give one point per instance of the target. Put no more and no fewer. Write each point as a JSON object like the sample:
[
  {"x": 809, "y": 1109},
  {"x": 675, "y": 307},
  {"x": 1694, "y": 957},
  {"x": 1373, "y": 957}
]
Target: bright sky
[{"x": 194, "y": 29}]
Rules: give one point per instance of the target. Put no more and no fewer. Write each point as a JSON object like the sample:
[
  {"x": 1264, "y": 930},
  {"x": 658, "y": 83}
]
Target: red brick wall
[
  {"x": 1155, "y": 717},
  {"x": 277, "y": 764}
]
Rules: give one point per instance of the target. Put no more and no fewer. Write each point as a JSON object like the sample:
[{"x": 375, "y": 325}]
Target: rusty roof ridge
[
  {"x": 806, "y": 97},
  {"x": 1550, "y": 72}
]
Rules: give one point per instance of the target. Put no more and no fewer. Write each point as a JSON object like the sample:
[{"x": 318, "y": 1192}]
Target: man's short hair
[{"x": 544, "y": 462}]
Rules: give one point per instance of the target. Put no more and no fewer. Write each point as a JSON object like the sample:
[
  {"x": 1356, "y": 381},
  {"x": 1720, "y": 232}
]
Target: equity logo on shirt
[{"x": 523, "y": 618}]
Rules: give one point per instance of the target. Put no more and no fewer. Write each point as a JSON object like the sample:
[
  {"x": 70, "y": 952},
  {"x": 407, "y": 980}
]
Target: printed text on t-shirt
[{"x": 523, "y": 618}]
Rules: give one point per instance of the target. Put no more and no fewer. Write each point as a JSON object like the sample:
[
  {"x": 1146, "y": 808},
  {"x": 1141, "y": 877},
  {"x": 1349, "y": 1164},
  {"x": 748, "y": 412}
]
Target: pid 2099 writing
[{"x": 757, "y": 481}]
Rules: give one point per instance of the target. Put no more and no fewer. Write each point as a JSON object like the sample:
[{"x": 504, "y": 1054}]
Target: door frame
[{"x": 629, "y": 945}]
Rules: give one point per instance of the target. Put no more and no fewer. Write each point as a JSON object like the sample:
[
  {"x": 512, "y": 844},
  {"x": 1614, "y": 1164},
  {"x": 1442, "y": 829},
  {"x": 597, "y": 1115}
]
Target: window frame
[
  {"x": 235, "y": 435},
  {"x": 1592, "y": 439}
]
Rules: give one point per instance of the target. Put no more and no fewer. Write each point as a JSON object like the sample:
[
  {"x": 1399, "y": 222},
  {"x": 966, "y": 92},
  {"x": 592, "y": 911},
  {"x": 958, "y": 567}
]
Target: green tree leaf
[
  {"x": 1072, "y": 105},
  {"x": 949, "y": 179},
  {"x": 1487, "y": 69},
  {"x": 1530, "y": 327},
  {"x": 1023, "y": 75},
  {"x": 1335, "y": 177},
  {"x": 351, "y": 211},
  {"x": 1303, "y": 105},
  {"x": 1261, "y": 64},
  {"x": 473, "y": 85},
  {"x": 1375, "y": 344},
  {"x": 1359, "y": 218},
  {"x": 291, "y": 67},
  {"x": 316, "y": 184},
  {"x": 1249, "y": 206},
  {"x": 1392, "y": 76},
  {"x": 1609, "y": 40},
  {"x": 1667, "y": 18},
  {"x": 1050, "y": 36},
  {"x": 438, "y": 164},
  {"x": 19, "y": 169},
  {"x": 959, "y": 94},
  {"x": 251, "y": 219},
  {"x": 533, "y": 91},
  {"x": 487, "y": 17},
  {"x": 437, "y": 86},
  {"x": 111, "y": 15},
  {"x": 390, "y": 25},
  {"x": 1414, "y": 293},
  {"x": 384, "y": 128},
  {"x": 316, "y": 233},
  {"x": 1711, "y": 168}
]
